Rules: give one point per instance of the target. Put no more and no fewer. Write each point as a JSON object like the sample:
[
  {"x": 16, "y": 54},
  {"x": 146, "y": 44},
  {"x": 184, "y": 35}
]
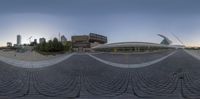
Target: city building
[
  {"x": 19, "y": 39},
  {"x": 80, "y": 42},
  {"x": 42, "y": 40},
  {"x": 85, "y": 42},
  {"x": 9, "y": 44},
  {"x": 63, "y": 39},
  {"x": 35, "y": 41},
  {"x": 97, "y": 38}
]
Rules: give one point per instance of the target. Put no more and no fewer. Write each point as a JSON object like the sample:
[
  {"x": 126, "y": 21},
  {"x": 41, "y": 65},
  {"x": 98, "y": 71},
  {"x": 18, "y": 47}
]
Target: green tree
[
  {"x": 51, "y": 46},
  {"x": 55, "y": 44},
  {"x": 67, "y": 46}
]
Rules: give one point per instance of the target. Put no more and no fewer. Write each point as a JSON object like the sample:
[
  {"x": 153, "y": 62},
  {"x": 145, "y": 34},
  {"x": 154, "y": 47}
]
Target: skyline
[{"x": 121, "y": 21}]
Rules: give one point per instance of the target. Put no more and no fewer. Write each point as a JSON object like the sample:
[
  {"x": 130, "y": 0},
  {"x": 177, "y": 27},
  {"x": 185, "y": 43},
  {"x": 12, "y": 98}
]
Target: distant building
[
  {"x": 19, "y": 39},
  {"x": 9, "y": 44},
  {"x": 85, "y": 42},
  {"x": 97, "y": 38},
  {"x": 42, "y": 40},
  {"x": 63, "y": 39},
  {"x": 80, "y": 42},
  {"x": 35, "y": 41}
]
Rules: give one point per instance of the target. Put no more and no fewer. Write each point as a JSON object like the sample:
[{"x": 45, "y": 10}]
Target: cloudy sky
[{"x": 120, "y": 20}]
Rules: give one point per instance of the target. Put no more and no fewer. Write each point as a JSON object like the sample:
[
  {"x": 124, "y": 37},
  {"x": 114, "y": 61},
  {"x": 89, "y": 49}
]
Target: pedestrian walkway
[{"x": 34, "y": 64}]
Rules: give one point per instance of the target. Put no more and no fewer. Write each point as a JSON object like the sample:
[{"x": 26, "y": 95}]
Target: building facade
[
  {"x": 42, "y": 40},
  {"x": 80, "y": 42},
  {"x": 19, "y": 39},
  {"x": 85, "y": 42},
  {"x": 97, "y": 38},
  {"x": 35, "y": 41}
]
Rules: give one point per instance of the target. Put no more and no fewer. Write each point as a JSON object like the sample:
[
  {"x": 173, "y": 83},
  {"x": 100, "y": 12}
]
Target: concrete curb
[
  {"x": 131, "y": 65},
  {"x": 38, "y": 64}
]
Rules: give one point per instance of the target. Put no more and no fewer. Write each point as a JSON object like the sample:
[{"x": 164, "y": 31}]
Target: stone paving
[
  {"x": 35, "y": 64},
  {"x": 28, "y": 55},
  {"x": 82, "y": 77}
]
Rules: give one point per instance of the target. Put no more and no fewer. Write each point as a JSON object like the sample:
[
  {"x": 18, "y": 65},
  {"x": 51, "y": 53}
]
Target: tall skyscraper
[
  {"x": 35, "y": 41},
  {"x": 19, "y": 39}
]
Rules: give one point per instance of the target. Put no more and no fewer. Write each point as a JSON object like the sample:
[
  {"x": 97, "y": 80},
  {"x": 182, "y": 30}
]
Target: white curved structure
[{"x": 132, "y": 44}]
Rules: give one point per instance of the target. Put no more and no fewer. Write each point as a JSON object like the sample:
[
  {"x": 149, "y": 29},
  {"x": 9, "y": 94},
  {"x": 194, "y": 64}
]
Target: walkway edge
[
  {"x": 193, "y": 54},
  {"x": 131, "y": 65},
  {"x": 38, "y": 64}
]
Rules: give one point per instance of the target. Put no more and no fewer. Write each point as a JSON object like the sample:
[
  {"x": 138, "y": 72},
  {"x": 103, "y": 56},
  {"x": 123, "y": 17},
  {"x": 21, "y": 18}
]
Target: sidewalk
[{"x": 25, "y": 61}]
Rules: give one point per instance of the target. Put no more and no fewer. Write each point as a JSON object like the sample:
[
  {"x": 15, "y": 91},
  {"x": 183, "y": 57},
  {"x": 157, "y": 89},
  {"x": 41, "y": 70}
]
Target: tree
[
  {"x": 51, "y": 46},
  {"x": 55, "y": 44},
  {"x": 67, "y": 46}
]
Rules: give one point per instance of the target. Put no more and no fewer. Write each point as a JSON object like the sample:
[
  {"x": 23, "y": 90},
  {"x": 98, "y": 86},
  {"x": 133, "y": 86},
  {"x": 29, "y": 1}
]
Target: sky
[{"x": 119, "y": 20}]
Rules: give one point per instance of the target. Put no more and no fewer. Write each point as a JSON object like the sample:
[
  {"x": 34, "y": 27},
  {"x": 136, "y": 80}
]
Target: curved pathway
[
  {"x": 193, "y": 53},
  {"x": 35, "y": 64},
  {"x": 131, "y": 65}
]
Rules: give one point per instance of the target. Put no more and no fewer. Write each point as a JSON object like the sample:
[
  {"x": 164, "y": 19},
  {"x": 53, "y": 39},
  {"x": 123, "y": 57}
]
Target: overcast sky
[{"x": 120, "y": 20}]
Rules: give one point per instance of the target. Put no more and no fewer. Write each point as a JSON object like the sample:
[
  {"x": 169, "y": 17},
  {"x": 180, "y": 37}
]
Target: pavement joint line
[
  {"x": 124, "y": 53},
  {"x": 193, "y": 54},
  {"x": 131, "y": 65},
  {"x": 37, "y": 64}
]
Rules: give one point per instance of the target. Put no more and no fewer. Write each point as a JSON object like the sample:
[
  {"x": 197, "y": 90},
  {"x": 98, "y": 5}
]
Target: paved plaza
[
  {"x": 83, "y": 77},
  {"x": 130, "y": 58}
]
